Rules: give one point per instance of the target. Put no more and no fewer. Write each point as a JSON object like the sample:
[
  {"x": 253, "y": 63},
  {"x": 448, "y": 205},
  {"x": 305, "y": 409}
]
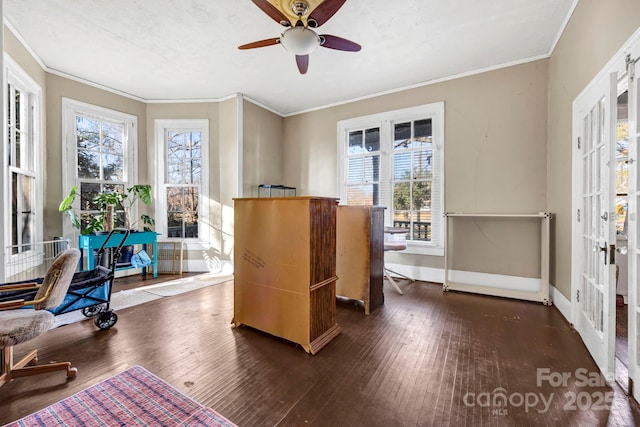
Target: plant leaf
[{"x": 67, "y": 202}]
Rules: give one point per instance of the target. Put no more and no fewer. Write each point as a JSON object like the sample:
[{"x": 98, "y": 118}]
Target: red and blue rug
[{"x": 133, "y": 397}]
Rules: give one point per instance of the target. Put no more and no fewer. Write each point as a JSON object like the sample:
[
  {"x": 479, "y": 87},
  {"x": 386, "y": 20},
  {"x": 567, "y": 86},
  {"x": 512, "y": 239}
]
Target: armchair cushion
[{"x": 17, "y": 326}]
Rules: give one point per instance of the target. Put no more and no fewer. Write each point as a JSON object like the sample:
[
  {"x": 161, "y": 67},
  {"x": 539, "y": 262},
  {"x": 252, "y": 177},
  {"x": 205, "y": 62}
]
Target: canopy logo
[{"x": 499, "y": 401}]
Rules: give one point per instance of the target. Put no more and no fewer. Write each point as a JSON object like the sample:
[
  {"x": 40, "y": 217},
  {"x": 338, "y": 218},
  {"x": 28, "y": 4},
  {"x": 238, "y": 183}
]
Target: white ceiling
[{"x": 187, "y": 49}]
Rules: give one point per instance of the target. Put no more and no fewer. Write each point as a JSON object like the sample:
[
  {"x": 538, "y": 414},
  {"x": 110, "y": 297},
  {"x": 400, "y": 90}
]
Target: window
[
  {"x": 413, "y": 178},
  {"x": 101, "y": 147},
  {"x": 396, "y": 159},
  {"x": 23, "y": 148},
  {"x": 182, "y": 165}
]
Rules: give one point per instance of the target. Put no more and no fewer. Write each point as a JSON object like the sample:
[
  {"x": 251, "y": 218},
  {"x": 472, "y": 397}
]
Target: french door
[
  {"x": 594, "y": 232},
  {"x": 633, "y": 233}
]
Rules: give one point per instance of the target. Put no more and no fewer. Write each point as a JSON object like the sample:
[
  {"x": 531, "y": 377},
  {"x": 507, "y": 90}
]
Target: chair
[
  {"x": 18, "y": 324},
  {"x": 395, "y": 239}
]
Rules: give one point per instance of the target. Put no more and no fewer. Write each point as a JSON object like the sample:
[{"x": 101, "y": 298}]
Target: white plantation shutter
[
  {"x": 437, "y": 191},
  {"x": 366, "y": 180}
]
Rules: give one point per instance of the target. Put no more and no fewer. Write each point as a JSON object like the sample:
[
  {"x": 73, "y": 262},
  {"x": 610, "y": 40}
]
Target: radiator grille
[{"x": 170, "y": 257}]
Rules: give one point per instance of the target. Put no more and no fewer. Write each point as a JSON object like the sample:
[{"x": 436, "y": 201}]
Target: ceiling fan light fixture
[
  {"x": 300, "y": 8},
  {"x": 300, "y": 40}
]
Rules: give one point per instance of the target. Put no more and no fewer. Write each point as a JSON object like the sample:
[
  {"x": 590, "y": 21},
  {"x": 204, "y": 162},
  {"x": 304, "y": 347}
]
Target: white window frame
[
  {"x": 16, "y": 76},
  {"x": 161, "y": 127},
  {"x": 72, "y": 107},
  {"x": 385, "y": 121}
]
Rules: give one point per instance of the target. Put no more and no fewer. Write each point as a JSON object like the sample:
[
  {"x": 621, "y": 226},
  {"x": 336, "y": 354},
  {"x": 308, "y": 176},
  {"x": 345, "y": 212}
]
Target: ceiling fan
[{"x": 300, "y": 38}]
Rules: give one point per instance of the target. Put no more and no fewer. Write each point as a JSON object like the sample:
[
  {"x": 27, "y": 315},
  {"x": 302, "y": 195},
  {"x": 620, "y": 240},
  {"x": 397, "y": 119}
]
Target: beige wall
[
  {"x": 594, "y": 34},
  {"x": 261, "y": 148},
  {"x": 495, "y": 149}
]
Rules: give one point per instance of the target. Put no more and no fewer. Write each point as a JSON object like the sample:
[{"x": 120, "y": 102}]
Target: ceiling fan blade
[
  {"x": 338, "y": 43},
  {"x": 325, "y": 10},
  {"x": 273, "y": 12},
  {"x": 261, "y": 43},
  {"x": 303, "y": 63}
]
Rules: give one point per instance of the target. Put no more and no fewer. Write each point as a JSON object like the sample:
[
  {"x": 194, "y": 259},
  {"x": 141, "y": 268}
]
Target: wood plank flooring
[{"x": 423, "y": 359}]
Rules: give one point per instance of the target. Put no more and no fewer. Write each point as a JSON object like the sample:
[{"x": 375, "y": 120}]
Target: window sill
[
  {"x": 415, "y": 249},
  {"x": 188, "y": 243}
]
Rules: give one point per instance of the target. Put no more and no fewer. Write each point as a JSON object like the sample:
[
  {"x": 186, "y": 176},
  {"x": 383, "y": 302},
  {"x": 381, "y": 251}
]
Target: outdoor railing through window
[{"x": 421, "y": 229}]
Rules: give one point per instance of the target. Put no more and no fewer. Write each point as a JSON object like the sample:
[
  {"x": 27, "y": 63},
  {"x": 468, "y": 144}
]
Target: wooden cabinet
[
  {"x": 285, "y": 268},
  {"x": 360, "y": 254}
]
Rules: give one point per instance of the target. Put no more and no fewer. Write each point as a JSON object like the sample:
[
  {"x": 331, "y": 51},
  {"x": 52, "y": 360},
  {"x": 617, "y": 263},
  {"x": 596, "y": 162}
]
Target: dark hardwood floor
[
  {"x": 622, "y": 344},
  {"x": 423, "y": 359},
  {"x": 622, "y": 333}
]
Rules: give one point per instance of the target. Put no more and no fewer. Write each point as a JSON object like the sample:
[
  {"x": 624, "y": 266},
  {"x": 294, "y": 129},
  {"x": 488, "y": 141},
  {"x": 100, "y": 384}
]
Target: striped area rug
[{"x": 133, "y": 397}]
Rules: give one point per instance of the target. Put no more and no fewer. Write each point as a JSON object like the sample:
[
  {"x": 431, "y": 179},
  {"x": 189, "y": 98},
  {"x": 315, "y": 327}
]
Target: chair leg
[
  {"x": 393, "y": 282},
  {"x": 400, "y": 274},
  {"x": 5, "y": 357},
  {"x": 21, "y": 368},
  {"x": 43, "y": 369},
  {"x": 29, "y": 359}
]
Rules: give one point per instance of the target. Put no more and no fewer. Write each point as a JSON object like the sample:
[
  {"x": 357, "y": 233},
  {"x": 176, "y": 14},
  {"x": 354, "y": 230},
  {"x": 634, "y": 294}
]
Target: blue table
[{"x": 91, "y": 242}]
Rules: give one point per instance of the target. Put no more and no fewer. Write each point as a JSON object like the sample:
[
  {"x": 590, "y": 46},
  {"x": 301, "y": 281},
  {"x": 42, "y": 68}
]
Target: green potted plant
[
  {"x": 141, "y": 192},
  {"x": 108, "y": 202},
  {"x": 66, "y": 207}
]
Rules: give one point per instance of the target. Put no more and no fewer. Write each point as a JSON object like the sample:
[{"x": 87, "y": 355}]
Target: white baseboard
[
  {"x": 425, "y": 274},
  {"x": 526, "y": 288},
  {"x": 562, "y": 303},
  {"x": 208, "y": 266},
  {"x": 501, "y": 281},
  {"x": 191, "y": 266}
]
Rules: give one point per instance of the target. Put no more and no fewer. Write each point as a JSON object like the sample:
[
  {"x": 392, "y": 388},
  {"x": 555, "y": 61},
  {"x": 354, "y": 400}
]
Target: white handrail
[{"x": 499, "y": 215}]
